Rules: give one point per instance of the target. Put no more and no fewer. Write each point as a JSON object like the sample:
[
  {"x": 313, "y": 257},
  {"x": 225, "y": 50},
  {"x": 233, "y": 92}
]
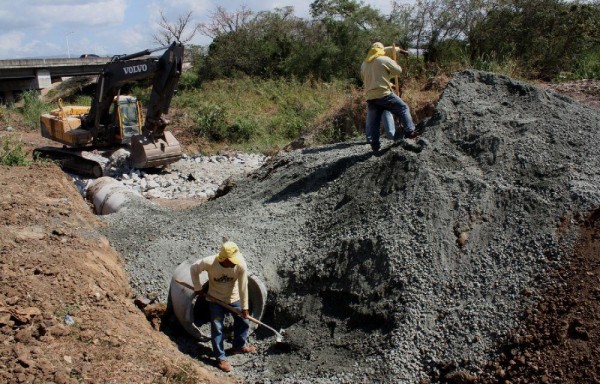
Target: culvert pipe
[
  {"x": 110, "y": 196},
  {"x": 192, "y": 312}
]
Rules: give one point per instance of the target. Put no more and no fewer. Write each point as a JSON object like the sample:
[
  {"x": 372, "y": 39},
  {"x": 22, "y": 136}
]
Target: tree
[
  {"x": 176, "y": 31},
  {"x": 546, "y": 36},
  {"x": 350, "y": 27},
  {"x": 277, "y": 43},
  {"x": 223, "y": 22},
  {"x": 436, "y": 22}
]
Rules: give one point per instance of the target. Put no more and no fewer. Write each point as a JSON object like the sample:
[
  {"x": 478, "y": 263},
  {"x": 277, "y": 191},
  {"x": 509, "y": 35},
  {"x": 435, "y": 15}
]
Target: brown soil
[
  {"x": 558, "y": 341},
  {"x": 54, "y": 264},
  {"x": 585, "y": 91},
  {"x": 54, "y": 267}
]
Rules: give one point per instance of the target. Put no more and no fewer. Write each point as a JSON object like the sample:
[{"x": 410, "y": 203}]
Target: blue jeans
[
  {"x": 392, "y": 103},
  {"x": 388, "y": 125},
  {"x": 241, "y": 328}
]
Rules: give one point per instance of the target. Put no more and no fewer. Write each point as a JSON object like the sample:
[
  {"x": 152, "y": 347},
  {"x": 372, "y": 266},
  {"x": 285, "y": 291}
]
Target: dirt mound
[
  {"x": 557, "y": 341},
  {"x": 403, "y": 266},
  {"x": 66, "y": 309}
]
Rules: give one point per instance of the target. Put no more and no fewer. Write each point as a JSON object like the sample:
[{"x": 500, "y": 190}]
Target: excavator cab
[{"x": 128, "y": 118}]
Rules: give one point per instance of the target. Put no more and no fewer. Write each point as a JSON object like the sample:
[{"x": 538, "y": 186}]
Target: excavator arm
[{"x": 154, "y": 146}]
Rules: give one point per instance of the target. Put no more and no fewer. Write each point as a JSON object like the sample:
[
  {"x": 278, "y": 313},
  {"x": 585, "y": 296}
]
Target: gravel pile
[{"x": 409, "y": 264}]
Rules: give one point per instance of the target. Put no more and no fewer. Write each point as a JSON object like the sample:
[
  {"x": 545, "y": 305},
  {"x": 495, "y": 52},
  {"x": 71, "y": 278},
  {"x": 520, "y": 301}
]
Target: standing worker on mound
[
  {"x": 376, "y": 72},
  {"x": 386, "y": 117},
  {"x": 228, "y": 282}
]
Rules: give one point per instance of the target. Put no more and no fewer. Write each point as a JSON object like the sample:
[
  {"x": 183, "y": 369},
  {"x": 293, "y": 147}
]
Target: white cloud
[
  {"x": 134, "y": 40},
  {"x": 198, "y": 7},
  {"x": 10, "y": 42},
  {"x": 44, "y": 16},
  {"x": 15, "y": 45},
  {"x": 105, "y": 13}
]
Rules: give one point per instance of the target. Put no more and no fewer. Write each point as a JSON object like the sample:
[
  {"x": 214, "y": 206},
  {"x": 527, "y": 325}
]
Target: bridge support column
[{"x": 43, "y": 78}]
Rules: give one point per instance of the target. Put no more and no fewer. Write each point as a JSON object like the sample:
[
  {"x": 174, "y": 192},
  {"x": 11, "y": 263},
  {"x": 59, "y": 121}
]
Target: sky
[{"x": 70, "y": 28}]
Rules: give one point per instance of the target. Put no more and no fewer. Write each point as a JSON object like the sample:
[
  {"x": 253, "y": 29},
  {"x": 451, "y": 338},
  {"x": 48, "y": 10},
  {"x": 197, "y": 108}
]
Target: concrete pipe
[
  {"x": 110, "y": 196},
  {"x": 192, "y": 312}
]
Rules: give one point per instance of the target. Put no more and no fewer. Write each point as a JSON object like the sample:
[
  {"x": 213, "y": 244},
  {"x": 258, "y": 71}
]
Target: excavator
[{"x": 90, "y": 135}]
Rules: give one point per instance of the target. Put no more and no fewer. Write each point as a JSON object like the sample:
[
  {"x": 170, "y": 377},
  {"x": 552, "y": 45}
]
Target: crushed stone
[
  {"x": 388, "y": 268},
  {"x": 192, "y": 177}
]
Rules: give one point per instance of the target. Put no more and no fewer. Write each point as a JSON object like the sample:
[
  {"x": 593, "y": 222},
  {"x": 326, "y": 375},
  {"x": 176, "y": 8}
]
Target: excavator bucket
[{"x": 147, "y": 152}]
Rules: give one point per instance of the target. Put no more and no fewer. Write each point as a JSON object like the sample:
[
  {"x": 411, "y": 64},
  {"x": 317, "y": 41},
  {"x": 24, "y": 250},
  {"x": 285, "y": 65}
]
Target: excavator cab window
[{"x": 129, "y": 118}]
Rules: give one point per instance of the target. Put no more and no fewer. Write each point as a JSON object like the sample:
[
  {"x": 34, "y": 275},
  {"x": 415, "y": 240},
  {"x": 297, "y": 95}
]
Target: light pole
[{"x": 68, "y": 50}]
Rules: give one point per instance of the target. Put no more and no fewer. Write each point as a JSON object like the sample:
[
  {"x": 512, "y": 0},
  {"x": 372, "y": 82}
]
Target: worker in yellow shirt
[
  {"x": 377, "y": 70},
  {"x": 227, "y": 282}
]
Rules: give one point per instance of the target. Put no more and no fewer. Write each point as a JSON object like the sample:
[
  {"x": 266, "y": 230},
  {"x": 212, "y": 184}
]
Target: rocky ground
[
  {"x": 470, "y": 255},
  {"x": 190, "y": 181}
]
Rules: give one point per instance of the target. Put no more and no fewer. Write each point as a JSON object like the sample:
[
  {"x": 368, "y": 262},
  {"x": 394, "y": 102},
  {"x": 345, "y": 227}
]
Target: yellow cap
[
  {"x": 377, "y": 45},
  {"x": 375, "y": 51},
  {"x": 229, "y": 250}
]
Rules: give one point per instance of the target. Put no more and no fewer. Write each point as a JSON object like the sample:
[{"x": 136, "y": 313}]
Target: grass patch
[
  {"x": 33, "y": 108},
  {"x": 490, "y": 63},
  {"x": 258, "y": 115},
  {"x": 12, "y": 152},
  {"x": 5, "y": 120}
]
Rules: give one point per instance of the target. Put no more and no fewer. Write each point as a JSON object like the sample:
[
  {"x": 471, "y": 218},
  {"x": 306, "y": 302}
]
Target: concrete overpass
[{"x": 36, "y": 74}]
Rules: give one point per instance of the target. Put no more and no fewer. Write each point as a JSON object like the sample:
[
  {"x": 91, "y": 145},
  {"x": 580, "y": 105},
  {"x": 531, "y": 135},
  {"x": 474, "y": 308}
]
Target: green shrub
[
  {"x": 52, "y": 93},
  {"x": 83, "y": 100},
  {"x": 33, "y": 108},
  {"x": 12, "y": 152},
  {"x": 4, "y": 118},
  {"x": 211, "y": 122},
  {"x": 491, "y": 63},
  {"x": 588, "y": 65},
  {"x": 142, "y": 94},
  {"x": 188, "y": 80},
  {"x": 242, "y": 130}
]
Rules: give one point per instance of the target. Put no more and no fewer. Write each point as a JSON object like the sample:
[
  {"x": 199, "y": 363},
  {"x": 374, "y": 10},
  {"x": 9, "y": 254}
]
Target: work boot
[
  {"x": 224, "y": 365},
  {"x": 245, "y": 349},
  {"x": 412, "y": 135}
]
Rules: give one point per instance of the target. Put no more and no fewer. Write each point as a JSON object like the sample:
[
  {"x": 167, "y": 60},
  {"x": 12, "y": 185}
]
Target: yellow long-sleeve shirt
[
  {"x": 376, "y": 76},
  {"x": 226, "y": 284}
]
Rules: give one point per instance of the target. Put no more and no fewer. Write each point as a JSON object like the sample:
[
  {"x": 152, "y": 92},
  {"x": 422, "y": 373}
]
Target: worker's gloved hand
[
  {"x": 200, "y": 294},
  {"x": 245, "y": 313}
]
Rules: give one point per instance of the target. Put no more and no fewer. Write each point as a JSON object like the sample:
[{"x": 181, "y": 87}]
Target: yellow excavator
[{"x": 91, "y": 134}]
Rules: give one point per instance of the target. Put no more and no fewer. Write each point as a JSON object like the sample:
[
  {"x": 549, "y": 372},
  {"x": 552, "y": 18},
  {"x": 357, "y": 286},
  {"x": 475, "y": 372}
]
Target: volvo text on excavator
[{"x": 91, "y": 134}]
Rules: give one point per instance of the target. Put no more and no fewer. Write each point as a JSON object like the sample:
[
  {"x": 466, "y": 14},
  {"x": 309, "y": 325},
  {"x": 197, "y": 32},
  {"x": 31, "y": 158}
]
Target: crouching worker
[{"x": 227, "y": 282}]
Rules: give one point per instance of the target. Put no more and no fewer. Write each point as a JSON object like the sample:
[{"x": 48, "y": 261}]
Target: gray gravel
[
  {"x": 383, "y": 268},
  {"x": 192, "y": 177}
]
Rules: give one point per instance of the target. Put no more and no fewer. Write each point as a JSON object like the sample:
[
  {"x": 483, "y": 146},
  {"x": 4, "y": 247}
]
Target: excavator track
[{"x": 88, "y": 163}]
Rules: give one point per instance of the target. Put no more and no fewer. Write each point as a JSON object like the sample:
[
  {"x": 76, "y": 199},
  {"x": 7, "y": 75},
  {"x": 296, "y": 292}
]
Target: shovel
[{"x": 278, "y": 335}]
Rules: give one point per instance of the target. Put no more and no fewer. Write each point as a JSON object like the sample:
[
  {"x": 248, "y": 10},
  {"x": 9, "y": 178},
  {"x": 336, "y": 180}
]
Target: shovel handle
[
  {"x": 229, "y": 307},
  {"x": 397, "y": 86}
]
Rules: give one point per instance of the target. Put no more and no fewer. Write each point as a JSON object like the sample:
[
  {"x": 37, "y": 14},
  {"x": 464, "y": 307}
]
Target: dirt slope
[{"x": 54, "y": 264}]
